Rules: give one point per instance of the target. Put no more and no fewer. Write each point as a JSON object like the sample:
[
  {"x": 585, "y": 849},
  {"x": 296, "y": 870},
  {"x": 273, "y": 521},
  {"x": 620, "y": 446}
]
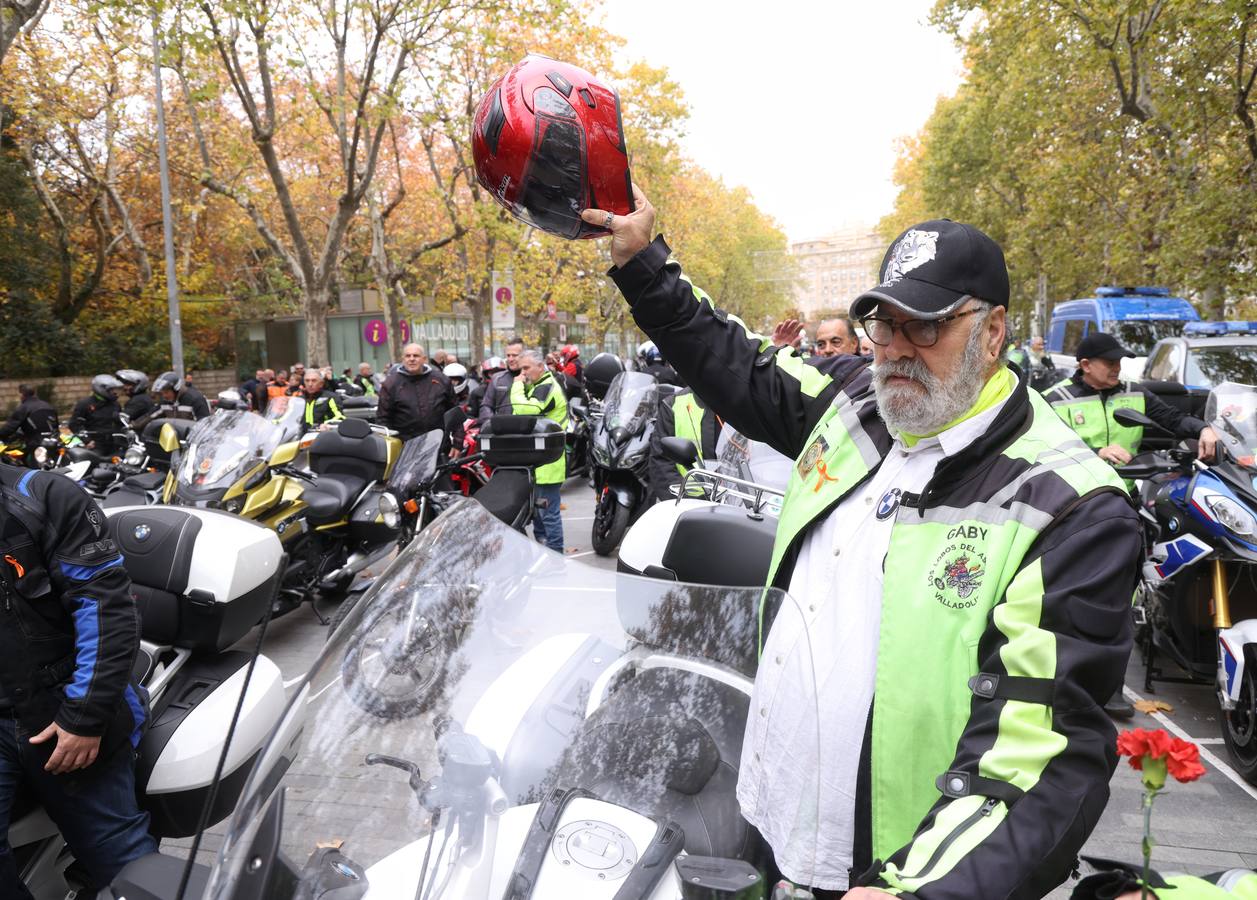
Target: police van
[{"x": 1137, "y": 316}]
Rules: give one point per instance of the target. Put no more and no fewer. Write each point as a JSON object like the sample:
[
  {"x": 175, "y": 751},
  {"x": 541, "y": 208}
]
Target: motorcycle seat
[
  {"x": 145, "y": 481},
  {"x": 506, "y": 495},
  {"x": 78, "y": 454},
  {"x": 667, "y": 744},
  {"x": 329, "y": 498}
]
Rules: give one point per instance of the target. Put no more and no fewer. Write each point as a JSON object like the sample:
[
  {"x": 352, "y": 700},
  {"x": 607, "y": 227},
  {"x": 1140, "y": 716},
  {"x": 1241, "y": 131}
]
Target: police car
[
  {"x": 1206, "y": 354},
  {"x": 1136, "y": 316}
]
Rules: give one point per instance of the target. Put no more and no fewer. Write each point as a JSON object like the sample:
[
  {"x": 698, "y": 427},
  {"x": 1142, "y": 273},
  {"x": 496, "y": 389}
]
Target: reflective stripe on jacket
[{"x": 1091, "y": 415}]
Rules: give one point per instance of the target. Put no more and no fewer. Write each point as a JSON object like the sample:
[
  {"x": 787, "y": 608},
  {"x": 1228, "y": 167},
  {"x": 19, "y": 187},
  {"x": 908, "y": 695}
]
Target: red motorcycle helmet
[{"x": 548, "y": 142}]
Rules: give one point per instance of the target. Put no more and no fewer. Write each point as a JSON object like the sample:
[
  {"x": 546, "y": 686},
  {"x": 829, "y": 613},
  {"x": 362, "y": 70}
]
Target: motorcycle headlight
[
  {"x": 1233, "y": 516},
  {"x": 390, "y": 512},
  {"x": 601, "y": 456},
  {"x": 134, "y": 457},
  {"x": 41, "y": 455},
  {"x": 234, "y": 505},
  {"x": 631, "y": 460}
]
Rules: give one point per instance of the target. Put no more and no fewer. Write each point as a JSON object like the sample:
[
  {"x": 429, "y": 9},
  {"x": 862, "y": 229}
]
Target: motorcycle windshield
[
  {"x": 490, "y": 712},
  {"x": 631, "y": 402},
  {"x": 1232, "y": 411},
  {"x": 416, "y": 463},
  {"x": 221, "y": 448}
]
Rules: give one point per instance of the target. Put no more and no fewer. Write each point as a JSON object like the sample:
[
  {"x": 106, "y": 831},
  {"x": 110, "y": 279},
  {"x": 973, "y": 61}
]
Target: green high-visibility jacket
[
  {"x": 988, "y": 757},
  {"x": 543, "y": 397},
  {"x": 1090, "y": 415},
  {"x": 322, "y": 407},
  {"x": 1234, "y": 884}
]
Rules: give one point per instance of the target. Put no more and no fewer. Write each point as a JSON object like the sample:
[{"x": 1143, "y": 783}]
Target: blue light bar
[
  {"x": 1218, "y": 329},
  {"x": 1144, "y": 291}
]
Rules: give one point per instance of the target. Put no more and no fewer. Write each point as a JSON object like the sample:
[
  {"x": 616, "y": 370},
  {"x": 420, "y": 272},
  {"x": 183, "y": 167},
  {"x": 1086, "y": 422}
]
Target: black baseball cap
[
  {"x": 933, "y": 267},
  {"x": 1100, "y": 346}
]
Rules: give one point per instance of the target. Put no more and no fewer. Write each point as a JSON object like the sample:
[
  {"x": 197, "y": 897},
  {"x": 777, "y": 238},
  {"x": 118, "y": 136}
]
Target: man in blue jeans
[
  {"x": 71, "y": 714},
  {"x": 536, "y": 393}
]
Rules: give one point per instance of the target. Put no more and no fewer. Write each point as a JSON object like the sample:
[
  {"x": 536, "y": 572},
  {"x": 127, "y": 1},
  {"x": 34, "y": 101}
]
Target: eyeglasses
[{"x": 919, "y": 332}]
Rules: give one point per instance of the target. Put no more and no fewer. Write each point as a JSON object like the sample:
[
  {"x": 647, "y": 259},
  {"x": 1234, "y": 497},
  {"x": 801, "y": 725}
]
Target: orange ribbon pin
[
  {"x": 823, "y": 472},
  {"x": 17, "y": 566}
]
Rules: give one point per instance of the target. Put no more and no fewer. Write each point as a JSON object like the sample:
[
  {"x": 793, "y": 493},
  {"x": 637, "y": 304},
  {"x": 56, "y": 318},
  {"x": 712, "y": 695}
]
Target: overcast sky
[{"x": 801, "y": 101}]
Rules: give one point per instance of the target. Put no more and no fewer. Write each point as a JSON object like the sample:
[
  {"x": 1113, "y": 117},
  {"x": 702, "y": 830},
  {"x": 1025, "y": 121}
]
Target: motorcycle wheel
[
  {"x": 611, "y": 520},
  {"x": 1239, "y": 725},
  {"x": 391, "y": 681}
]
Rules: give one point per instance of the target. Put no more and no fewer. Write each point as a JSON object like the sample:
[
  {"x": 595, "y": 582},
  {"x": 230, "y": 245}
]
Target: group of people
[{"x": 118, "y": 401}]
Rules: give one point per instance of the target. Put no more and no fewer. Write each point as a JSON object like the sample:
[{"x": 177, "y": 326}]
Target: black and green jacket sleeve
[
  {"x": 1037, "y": 766},
  {"x": 767, "y": 393}
]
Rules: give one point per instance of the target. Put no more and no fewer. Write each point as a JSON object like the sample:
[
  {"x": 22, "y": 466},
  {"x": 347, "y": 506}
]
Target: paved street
[{"x": 1202, "y": 827}]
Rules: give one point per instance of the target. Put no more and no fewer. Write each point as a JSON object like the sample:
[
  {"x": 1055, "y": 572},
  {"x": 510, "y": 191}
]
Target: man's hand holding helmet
[{"x": 629, "y": 234}]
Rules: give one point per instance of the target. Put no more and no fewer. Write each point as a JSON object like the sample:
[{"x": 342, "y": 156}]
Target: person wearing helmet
[
  {"x": 652, "y": 363},
  {"x": 456, "y": 416},
  {"x": 321, "y": 406},
  {"x": 98, "y": 415},
  {"x": 140, "y": 403},
  {"x": 177, "y": 399},
  {"x": 569, "y": 358}
]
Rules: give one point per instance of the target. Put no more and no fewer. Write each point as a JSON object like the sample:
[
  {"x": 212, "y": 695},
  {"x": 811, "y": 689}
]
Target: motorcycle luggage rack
[{"x": 719, "y": 487}]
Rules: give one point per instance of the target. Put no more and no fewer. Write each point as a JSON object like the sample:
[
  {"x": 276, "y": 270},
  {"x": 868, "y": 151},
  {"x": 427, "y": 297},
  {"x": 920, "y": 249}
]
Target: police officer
[
  {"x": 178, "y": 400},
  {"x": 321, "y": 405},
  {"x": 681, "y": 415},
  {"x": 1087, "y": 400},
  {"x": 535, "y": 392},
  {"x": 70, "y": 712},
  {"x": 140, "y": 404},
  {"x": 99, "y": 414},
  {"x": 33, "y": 419}
]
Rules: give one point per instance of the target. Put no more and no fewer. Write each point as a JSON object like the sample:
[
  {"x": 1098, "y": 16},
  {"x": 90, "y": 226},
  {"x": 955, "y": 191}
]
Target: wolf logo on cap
[{"x": 914, "y": 249}]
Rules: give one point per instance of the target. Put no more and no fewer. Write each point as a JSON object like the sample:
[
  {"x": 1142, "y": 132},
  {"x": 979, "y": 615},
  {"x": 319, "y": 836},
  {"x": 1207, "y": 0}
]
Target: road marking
[
  {"x": 578, "y": 518},
  {"x": 1205, "y": 753},
  {"x": 1208, "y": 740}
]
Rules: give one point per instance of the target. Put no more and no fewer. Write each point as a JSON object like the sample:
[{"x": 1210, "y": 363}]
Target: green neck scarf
[{"x": 997, "y": 388}]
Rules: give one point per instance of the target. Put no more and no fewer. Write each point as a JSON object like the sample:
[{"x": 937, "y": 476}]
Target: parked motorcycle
[
  {"x": 586, "y": 742},
  {"x": 579, "y": 431},
  {"x": 1197, "y": 599},
  {"x": 334, "y": 518},
  {"x": 719, "y": 530},
  {"x": 201, "y": 580},
  {"x": 621, "y": 455}
]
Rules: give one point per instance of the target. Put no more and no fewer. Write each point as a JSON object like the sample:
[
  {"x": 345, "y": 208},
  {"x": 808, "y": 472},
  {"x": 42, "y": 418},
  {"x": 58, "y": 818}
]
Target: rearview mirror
[
  {"x": 679, "y": 450},
  {"x": 1132, "y": 419},
  {"x": 168, "y": 438},
  {"x": 284, "y": 454}
]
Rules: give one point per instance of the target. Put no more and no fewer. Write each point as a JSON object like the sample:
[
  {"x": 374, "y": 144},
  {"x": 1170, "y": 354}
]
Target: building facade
[{"x": 834, "y": 269}]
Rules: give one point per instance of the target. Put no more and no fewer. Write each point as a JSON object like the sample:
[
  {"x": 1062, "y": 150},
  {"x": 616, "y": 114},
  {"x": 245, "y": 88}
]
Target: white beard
[{"x": 932, "y": 402}]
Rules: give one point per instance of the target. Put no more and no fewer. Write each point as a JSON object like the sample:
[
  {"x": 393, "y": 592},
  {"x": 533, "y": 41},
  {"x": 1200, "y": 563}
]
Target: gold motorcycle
[{"x": 334, "y": 517}]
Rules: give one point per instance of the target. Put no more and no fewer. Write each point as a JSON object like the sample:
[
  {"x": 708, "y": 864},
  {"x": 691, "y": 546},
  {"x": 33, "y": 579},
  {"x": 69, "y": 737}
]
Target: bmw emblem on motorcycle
[{"x": 142, "y": 532}]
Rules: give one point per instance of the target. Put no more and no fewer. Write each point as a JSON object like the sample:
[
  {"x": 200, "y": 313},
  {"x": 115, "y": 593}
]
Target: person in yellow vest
[
  {"x": 681, "y": 415},
  {"x": 536, "y": 393},
  {"x": 1087, "y": 400}
]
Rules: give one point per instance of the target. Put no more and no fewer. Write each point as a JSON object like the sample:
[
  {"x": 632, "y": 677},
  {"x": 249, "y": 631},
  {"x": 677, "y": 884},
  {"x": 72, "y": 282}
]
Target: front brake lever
[{"x": 380, "y": 759}]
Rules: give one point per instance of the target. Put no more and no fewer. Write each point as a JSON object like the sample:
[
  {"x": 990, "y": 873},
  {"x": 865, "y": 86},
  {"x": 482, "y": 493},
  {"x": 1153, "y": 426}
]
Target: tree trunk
[{"x": 318, "y": 300}]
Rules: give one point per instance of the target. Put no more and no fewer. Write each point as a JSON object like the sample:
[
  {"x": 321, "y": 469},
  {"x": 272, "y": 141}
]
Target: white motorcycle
[
  {"x": 201, "y": 580},
  {"x": 586, "y": 743}
]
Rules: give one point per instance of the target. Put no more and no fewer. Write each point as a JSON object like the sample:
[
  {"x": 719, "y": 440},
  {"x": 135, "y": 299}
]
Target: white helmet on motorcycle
[
  {"x": 457, "y": 374},
  {"x": 105, "y": 385}
]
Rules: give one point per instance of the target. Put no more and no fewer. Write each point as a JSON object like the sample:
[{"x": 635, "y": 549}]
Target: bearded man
[{"x": 961, "y": 567}]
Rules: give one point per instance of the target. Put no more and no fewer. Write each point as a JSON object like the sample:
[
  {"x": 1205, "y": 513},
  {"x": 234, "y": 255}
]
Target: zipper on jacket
[{"x": 980, "y": 813}]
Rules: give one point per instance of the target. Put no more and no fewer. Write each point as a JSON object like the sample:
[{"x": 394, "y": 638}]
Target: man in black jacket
[
  {"x": 179, "y": 400},
  {"x": 98, "y": 415},
  {"x": 415, "y": 399},
  {"x": 70, "y": 713},
  {"x": 33, "y": 418},
  {"x": 497, "y": 396}
]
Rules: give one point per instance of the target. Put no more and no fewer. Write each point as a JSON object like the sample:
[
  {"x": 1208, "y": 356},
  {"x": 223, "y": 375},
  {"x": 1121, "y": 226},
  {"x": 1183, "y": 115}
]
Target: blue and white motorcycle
[{"x": 1197, "y": 599}]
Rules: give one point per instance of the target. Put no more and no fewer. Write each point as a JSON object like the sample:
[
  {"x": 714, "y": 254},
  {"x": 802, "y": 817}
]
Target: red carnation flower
[{"x": 1183, "y": 761}]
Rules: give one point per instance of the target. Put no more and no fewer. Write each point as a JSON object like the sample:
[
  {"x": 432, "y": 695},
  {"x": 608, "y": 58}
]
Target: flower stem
[{"x": 1147, "y": 843}]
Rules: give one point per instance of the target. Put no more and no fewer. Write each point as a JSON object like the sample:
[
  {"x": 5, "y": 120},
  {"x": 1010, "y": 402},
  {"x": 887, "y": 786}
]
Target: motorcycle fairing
[
  {"x": 1232, "y": 660},
  {"x": 1169, "y": 557},
  {"x": 1205, "y": 487}
]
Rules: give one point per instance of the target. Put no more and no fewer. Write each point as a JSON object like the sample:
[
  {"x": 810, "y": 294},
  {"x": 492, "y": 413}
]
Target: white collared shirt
[{"x": 815, "y": 682}]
